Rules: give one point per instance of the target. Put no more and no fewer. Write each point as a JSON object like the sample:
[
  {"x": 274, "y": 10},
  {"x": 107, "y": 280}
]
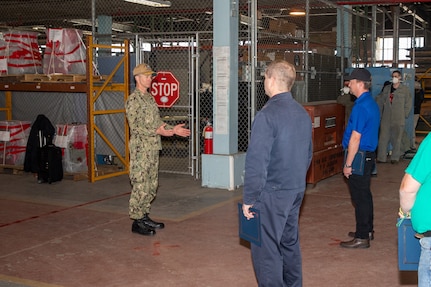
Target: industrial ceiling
[{"x": 185, "y": 15}]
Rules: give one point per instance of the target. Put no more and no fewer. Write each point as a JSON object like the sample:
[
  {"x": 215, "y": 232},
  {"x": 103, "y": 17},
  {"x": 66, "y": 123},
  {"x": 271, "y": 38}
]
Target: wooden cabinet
[{"x": 328, "y": 128}]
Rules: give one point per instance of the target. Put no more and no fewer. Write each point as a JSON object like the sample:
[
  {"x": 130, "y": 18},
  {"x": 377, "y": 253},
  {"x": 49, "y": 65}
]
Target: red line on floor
[{"x": 63, "y": 209}]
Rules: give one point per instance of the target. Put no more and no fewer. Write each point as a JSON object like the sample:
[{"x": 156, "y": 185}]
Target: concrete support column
[
  {"x": 396, "y": 25},
  {"x": 344, "y": 34},
  {"x": 104, "y": 33},
  {"x": 224, "y": 169}
]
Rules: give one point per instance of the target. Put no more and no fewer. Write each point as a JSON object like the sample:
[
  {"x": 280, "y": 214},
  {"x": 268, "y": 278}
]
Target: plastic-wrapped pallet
[
  {"x": 19, "y": 53},
  {"x": 72, "y": 138},
  {"x": 13, "y": 141},
  {"x": 65, "y": 52}
]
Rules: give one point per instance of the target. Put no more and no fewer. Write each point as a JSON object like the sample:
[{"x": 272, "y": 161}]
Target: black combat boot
[
  {"x": 151, "y": 223},
  {"x": 138, "y": 226}
]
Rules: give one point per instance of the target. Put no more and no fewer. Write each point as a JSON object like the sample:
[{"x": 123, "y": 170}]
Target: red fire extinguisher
[{"x": 208, "y": 139}]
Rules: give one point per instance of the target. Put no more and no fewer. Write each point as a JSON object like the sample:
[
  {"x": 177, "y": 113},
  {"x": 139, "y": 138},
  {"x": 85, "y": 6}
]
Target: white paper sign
[
  {"x": 3, "y": 64},
  {"x": 55, "y": 35},
  {"x": 60, "y": 141},
  {"x": 4, "y": 136}
]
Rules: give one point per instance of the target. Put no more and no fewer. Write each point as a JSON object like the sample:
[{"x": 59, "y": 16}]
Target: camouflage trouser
[{"x": 144, "y": 168}]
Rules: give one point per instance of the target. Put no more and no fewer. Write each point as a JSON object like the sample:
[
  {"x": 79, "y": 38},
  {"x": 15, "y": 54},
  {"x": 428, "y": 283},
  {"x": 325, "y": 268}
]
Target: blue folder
[
  {"x": 249, "y": 229},
  {"x": 358, "y": 163},
  {"x": 409, "y": 249}
]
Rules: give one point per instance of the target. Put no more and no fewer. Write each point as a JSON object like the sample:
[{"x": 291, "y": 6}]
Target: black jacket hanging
[{"x": 34, "y": 143}]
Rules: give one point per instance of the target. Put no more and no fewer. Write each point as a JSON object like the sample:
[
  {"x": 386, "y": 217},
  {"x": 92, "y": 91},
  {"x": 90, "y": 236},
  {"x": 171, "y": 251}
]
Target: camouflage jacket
[{"x": 143, "y": 117}]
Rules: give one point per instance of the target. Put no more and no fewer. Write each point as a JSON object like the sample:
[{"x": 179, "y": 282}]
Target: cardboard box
[
  {"x": 324, "y": 51},
  {"x": 329, "y": 38},
  {"x": 13, "y": 141},
  {"x": 282, "y": 27},
  {"x": 325, "y": 38},
  {"x": 314, "y": 38},
  {"x": 261, "y": 56}
]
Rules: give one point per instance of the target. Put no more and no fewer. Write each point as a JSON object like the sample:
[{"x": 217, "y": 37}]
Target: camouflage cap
[{"x": 143, "y": 69}]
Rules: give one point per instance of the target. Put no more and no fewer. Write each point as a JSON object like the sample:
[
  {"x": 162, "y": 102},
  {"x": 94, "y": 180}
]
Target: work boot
[
  {"x": 138, "y": 226},
  {"x": 356, "y": 243},
  {"x": 151, "y": 223},
  {"x": 370, "y": 234}
]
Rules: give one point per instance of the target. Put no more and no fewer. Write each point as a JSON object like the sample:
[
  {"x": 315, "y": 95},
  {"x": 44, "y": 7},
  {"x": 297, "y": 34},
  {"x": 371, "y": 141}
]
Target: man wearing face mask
[
  {"x": 346, "y": 99},
  {"x": 395, "y": 103}
]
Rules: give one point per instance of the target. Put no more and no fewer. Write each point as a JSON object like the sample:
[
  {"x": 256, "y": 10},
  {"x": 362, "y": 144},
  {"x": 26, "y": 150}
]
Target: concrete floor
[{"x": 75, "y": 233}]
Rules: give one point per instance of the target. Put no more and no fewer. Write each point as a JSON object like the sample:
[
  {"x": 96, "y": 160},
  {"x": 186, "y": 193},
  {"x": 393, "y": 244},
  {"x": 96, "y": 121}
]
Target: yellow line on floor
[{"x": 26, "y": 282}]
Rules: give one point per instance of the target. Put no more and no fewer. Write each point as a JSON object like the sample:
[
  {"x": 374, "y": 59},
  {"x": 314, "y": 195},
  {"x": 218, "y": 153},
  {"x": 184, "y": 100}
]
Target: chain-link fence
[{"x": 320, "y": 38}]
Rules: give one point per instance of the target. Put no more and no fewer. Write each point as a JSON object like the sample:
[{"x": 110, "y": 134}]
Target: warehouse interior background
[
  {"x": 324, "y": 39},
  {"x": 77, "y": 233}
]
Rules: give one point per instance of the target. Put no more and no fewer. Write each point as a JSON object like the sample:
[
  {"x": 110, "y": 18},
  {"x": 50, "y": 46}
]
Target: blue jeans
[{"x": 424, "y": 270}]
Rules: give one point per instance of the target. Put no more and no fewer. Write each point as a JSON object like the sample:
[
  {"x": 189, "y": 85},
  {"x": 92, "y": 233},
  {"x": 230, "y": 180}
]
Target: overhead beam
[{"x": 378, "y": 2}]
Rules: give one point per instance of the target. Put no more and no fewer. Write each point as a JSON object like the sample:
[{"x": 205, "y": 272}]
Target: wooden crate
[
  {"x": 35, "y": 78},
  {"x": 325, "y": 163},
  {"x": 11, "y": 169},
  {"x": 61, "y": 78},
  {"x": 69, "y": 78},
  {"x": 83, "y": 78},
  {"x": 11, "y": 78}
]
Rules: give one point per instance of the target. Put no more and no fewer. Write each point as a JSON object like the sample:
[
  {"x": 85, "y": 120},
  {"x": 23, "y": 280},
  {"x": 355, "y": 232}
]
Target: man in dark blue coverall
[{"x": 278, "y": 157}]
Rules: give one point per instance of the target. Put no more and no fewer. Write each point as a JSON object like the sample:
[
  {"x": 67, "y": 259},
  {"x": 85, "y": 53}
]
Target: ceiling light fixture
[
  {"x": 152, "y": 3},
  {"x": 297, "y": 13}
]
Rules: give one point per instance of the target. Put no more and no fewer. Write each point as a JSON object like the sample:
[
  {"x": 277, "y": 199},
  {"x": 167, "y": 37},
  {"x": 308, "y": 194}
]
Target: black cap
[{"x": 360, "y": 74}]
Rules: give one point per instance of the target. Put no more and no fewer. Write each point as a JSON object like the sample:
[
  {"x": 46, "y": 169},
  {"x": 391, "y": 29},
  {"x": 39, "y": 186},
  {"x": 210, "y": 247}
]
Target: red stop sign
[{"x": 165, "y": 89}]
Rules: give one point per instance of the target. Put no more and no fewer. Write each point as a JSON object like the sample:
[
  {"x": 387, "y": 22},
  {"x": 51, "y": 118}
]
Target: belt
[{"x": 424, "y": 234}]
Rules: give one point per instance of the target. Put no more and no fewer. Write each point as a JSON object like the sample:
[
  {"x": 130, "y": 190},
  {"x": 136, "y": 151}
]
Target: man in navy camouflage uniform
[{"x": 146, "y": 127}]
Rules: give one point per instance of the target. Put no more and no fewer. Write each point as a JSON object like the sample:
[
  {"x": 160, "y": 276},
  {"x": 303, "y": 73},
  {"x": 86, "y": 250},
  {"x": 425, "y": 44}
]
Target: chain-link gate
[
  {"x": 189, "y": 58},
  {"x": 177, "y": 152},
  {"x": 177, "y": 55}
]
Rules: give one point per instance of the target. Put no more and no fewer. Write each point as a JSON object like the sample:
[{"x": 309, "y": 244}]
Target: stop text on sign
[{"x": 167, "y": 89}]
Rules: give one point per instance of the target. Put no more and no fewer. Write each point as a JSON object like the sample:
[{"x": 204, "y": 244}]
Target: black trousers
[{"x": 360, "y": 192}]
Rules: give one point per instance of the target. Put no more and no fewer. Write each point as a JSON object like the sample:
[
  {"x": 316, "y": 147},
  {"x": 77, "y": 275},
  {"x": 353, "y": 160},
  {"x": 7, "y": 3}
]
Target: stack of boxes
[{"x": 282, "y": 27}]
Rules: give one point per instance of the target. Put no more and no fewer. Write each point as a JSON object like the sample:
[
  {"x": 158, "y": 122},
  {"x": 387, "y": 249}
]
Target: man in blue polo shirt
[{"x": 361, "y": 138}]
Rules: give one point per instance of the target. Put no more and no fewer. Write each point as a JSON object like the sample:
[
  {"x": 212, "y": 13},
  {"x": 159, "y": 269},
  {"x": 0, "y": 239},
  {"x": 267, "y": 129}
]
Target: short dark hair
[{"x": 367, "y": 85}]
